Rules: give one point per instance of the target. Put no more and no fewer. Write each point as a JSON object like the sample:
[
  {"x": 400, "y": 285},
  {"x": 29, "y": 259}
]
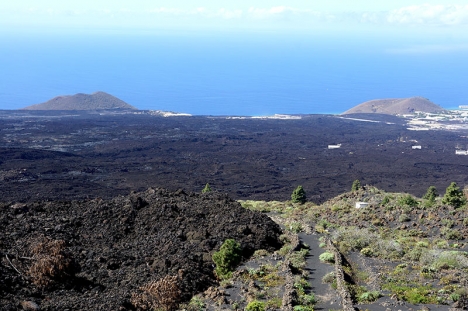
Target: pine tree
[
  {"x": 454, "y": 196},
  {"x": 298, "y": 195},
  {"x": 227, "y": 258},
  {"x": 356, "y": 185},
  {"x": 207, "y": 188},
  {"x": 431, "y": 194}
]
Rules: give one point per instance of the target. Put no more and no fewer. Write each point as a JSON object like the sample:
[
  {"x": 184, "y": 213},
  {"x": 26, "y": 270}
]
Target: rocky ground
[
  {"x": 71, "y": 155},
  {"x": 394, "y": 254},
  {"x": 102, "y": 254}
]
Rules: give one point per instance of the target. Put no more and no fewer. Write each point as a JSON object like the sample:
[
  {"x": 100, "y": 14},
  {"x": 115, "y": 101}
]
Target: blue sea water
[{"x": 227, "y": 75}]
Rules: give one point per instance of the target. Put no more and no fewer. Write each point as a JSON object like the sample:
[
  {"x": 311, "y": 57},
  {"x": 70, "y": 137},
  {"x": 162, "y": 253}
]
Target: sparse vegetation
[
  {"x": 163, "y": 294},
  {"x": 429, "y": 268},
  {"x": 404, "y": 218},
  {"x": 255, "y": 306},
  {"x": 52, "y": 262},
  {"x": 297, "y": 259},
  {"x": 195, "y": 304},
  {"x": 327, "y": 257},
  {"x": 368, "y": 297},
  {"x": 408, "y": 200},
  {"x": 295, "y": 227}
]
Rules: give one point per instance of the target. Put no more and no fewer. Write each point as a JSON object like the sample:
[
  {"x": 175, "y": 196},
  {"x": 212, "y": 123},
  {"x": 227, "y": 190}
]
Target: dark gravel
[{"x": 121, "y": 244}]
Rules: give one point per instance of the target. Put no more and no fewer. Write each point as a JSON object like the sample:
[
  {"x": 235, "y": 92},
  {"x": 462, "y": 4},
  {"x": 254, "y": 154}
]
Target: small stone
[{"x": 29, "y": 305}]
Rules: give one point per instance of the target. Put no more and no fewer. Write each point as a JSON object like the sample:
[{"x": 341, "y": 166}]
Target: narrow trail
[{"x": 327, "y": 298}]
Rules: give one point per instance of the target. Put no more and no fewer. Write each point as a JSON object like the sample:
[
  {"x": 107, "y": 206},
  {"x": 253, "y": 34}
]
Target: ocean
[{"x": 228, "y": 74}]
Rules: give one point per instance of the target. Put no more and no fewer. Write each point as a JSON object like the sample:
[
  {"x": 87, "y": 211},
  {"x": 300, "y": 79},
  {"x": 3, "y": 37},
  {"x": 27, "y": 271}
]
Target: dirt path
[{"x": 327, "y": 298}]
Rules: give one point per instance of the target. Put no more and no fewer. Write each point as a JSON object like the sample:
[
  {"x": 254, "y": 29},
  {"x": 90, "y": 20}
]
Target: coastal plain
[{"x": 101, "y": 154}]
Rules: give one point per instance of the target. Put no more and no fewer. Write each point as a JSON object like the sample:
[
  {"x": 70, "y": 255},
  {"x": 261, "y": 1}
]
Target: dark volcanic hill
[
  {"x": 80, "y": 101},
  {"x": 94, "y": 254},
  {"x": 395, "y": 106}
]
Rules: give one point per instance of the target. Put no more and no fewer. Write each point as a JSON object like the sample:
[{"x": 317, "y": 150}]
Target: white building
[{"x": 362, "y": 204}]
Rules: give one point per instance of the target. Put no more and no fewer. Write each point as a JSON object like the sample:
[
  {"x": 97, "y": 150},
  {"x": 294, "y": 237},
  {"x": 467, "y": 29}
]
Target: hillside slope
[
  {"x": 103, "y": 251},
  {"x": 395, "y": 106},
  {"x": 80, "y": 101}
]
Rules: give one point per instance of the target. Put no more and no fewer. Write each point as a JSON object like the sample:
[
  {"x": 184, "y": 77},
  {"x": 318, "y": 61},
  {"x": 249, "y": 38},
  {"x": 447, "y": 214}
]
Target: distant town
[{"x": 447, "y": 120}]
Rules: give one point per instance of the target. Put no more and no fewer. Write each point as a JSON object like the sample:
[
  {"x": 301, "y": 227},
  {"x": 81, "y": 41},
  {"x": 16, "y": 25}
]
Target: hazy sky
[{"x": 445, "y": 17}]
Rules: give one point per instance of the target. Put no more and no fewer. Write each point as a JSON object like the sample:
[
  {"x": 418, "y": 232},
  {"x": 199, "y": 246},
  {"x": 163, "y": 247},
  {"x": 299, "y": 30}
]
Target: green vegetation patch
[
  {"x": 255, "y": 306},
  {"x": 227, "y": 258},
  {"x": 327, "y": 257},
  {"x": 413, "y": 293}
]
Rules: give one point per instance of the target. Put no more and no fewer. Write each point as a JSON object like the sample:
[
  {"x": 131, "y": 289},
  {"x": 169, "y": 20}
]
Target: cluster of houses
[{"x": 424, "y": 121}]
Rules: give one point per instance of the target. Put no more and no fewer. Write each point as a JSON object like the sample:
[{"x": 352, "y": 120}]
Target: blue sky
[
  {"x": 397, "y": 17},
  {"x": 54, "y": 47}
]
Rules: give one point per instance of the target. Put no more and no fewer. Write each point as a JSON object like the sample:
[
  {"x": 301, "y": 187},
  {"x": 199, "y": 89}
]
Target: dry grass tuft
[
  {"x": 52, "y": 262},
  {"x": 162, "y": 294}
]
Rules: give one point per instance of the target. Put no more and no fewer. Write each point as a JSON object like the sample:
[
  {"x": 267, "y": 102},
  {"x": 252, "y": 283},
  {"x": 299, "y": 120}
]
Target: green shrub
[
  {"x": 308, "y": 299},
  {"x": 431, "y": 194},
  {"x": 301, "y": 285},
  {"x": 356, "y": 185},
  {"x": 367, "y": 251},
  {"x": 438, "y": 259},
  {"x": 297, "y": 259},
  {"x": 408, "y": 200},
  {"x": 441, "y": 243},
  {"x": 415, "y": 296},
  {"x": 227, "y": 258},
  {"x": 299, "y": 195},
  {"x": 422, "y": 244},
  {"x": 454, "y": 296},
  {"x": 451, "y": 234},
  {"x": 404, "y": 218},
  {"x": 386, "y": 200},
  {"x": 413, "y": 293},
  {"x": 356, "y": 238},
  {"x": 255, "y": 306},
  {"x": 369, "y": 296},
  {"x": 274, "y": 303},
  {"x": 414, "y": 254},
  {"x": 322, "y": 225},
  {"x": 327, "y": 257},
  {"x": 206, "y": 189},
  {"x": 447, "y": 222},
  {"x": 295, "y": 227},
  {"x": 459, "y": 294},
  {"x": 454, "y": 196},
  {"x": 195, "y": 304},
  {"x": 283, "y": 251},
  {"x": 329, "y": 277}
]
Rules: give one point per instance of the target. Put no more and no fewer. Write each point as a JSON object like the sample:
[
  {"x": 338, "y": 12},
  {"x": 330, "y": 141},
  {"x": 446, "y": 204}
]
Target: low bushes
[
  {"x": 161, "y": 294},
  {"x": 439, "y": 259},
  {"x": 327, "y": 257},
  {"x": 255, "y": 306},
  {"x": 53, "y": 263}
]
